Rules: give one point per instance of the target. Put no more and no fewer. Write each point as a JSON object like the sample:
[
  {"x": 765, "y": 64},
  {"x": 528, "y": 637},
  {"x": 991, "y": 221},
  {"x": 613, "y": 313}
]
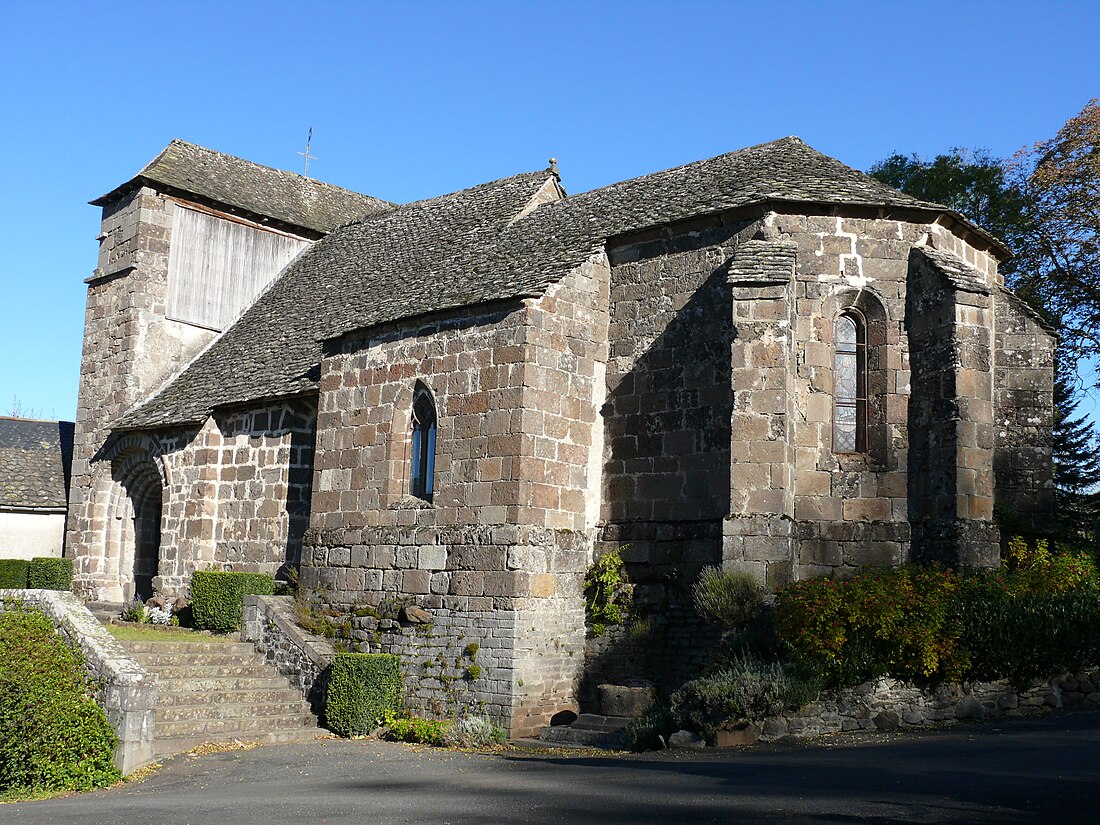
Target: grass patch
[{"x": 151, "y": 633}]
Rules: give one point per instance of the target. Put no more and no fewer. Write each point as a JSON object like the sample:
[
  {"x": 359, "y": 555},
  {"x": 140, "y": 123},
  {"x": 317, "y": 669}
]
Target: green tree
[
  {"x": 968, "y": 181},
  {"x": 1059, "y": 180},
  {"x": 1038, "y": 203}
]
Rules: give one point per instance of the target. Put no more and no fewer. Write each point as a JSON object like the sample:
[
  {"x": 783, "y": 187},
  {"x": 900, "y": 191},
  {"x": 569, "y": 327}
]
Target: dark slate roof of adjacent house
[
  {"x": 258, "y": 190},
  {"x": 35, "y": 459},
  {"x": 465, "y": 248}
]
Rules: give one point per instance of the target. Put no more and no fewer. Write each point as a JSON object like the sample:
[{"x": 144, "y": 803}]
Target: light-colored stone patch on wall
[{"x": 27, "y": 534}]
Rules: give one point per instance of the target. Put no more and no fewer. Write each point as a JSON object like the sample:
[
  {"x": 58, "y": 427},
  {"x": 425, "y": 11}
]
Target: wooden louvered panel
[{"x": 217, "y": 267}]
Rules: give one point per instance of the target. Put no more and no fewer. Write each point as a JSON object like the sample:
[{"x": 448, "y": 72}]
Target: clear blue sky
[{"x": 409, "y": 100}]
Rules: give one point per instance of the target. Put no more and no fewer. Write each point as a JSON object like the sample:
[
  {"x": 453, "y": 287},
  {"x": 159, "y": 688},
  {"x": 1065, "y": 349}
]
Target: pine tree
[{"x": 1076, "y": 460}]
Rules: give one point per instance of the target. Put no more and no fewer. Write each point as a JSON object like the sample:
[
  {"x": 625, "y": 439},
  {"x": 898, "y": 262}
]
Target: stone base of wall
[
  {"x": 498, "y": 625},
  {"x": 887, "y": 704}
]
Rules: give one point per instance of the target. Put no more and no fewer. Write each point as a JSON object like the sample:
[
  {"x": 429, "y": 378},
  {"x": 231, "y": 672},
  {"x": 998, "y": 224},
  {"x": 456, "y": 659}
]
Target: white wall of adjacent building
[{"x": 25, "y": 535}]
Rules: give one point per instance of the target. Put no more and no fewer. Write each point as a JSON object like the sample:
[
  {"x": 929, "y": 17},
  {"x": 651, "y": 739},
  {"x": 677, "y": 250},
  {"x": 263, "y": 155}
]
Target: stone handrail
[
  {"x": 126, "y": 692},
  {"x": 271, "y": 624}
]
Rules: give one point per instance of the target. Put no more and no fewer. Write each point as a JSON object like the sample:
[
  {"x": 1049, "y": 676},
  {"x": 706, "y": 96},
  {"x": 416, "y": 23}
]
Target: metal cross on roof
[{"x": 306, "y": 154}]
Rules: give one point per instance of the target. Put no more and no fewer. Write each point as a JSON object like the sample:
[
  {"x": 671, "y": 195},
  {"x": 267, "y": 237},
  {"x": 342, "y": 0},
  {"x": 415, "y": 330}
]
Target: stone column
[
  {"x": 949, "y": 316},
  {"x": 758, "y": 535}
]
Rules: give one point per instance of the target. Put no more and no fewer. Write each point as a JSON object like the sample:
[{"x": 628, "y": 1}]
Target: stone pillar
[
  {"x": 949, "y": 316},
  {"x": 758, "y": 535}
]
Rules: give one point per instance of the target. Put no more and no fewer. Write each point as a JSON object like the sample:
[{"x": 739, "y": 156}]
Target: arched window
[
  {"x": 850, "y": 384},
  {"x": 422, "y": 473}
]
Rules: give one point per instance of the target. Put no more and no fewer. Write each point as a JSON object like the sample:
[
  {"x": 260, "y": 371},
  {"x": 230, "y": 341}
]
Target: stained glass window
[
  {"x": 423, "y": 446},
  {"x": 850, "y": 386}
]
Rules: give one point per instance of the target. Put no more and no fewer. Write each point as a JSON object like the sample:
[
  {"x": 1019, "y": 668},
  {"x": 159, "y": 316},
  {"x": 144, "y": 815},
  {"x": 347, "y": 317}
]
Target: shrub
[
  {"x": 748, "y": 690},
  {"x": 134, "y": 611},
  {"x": 607, "y": 592},
  {"x": 1012, "y": 629},
  {"x": 217, "y": 597},
  {"x": 362, "y": 689},
  {"x": 729, "y": 600},
  {"x": 652, "y": 729},
  {"x": 415, "y": 730},
  {"x": 880, "y": 622},
  {"x": 475, "y": 732},
  {"x": 13, "y": 574},
  {"x": 50, "y": 573},
  {"x": 52, "y": 736}
]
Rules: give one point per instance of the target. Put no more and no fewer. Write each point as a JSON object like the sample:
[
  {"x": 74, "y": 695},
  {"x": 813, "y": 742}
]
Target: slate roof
[
  {"x": 35, "y": 460},
  {"x": 463, "y": 249},
  {"x": 418, "y": 257},
  {"x": 258, "y": 190}
]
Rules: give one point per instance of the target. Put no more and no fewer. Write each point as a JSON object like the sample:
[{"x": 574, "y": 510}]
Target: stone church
[{"x": 766, "y": 360}]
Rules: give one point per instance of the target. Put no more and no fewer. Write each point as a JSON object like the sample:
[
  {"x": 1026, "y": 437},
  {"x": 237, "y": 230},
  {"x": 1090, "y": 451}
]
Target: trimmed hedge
[
  {"x": 53, "y": 737},
  {"x": 13, "y": 574},
  {"x": 362, "y": 688},
  {"x": 217, "y": 597},
  {"x": 50, "y": 573}
]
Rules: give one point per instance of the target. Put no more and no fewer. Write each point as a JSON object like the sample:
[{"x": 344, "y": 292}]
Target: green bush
[
  {"x": 729, "y": 600},
  {"x": 362, "y": 689},
  {"x": 1019, "y": 633},
  {"x": 13, "y": 574},
  {"x": 52, "y": 736},
  {"x": 49, "y": 573},
  {"x": 1036, "y": 617},
  {"x": 748, "y": 690},
  {"x": 417, "y": 731},
  {"x": 217, "y": 597}
]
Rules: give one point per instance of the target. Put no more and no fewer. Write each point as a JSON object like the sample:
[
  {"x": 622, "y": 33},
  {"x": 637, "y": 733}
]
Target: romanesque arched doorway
[{"x": 136, "y": 516}]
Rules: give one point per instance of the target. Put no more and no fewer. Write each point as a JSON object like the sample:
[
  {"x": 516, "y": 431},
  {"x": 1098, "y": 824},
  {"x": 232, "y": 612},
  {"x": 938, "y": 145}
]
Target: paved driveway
[{"x": 1040, "y": 770}]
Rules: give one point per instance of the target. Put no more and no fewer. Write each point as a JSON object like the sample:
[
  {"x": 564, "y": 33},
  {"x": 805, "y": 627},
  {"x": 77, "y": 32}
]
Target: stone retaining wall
[
  {"x": 127, "y": 694},
  {"x": 271, "y": 624},
  {"x": 888, "y": 704}
]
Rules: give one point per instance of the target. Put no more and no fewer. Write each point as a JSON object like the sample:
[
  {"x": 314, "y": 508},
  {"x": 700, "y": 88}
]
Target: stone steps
[
  {"x": 218, "y": 692},
  {"x": 590, "y": 730},
  {"x": 106, "y": 612},
  {"x": 248, "y": 696}
]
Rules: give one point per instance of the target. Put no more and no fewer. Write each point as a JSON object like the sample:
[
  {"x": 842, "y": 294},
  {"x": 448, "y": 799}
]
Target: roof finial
[{"x": 554, "y": 168}]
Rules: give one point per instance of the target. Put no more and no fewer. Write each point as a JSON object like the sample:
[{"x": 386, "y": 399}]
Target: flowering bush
[{"x": 878, "y": 622}]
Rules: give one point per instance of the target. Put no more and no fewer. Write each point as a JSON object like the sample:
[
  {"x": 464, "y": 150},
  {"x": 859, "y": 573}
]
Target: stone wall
[
  {"x": 127, "y": 694},
  {"x": 498, "y": 554},
  {"x": 130, "y": 348},
  {"x": 888, "y": 704},
  {"x": 271, "y": 624},
  {"x": 1023, "y": 391},
  {"x": 233, "y": 494},
  {"x": 950, "y": 322}
]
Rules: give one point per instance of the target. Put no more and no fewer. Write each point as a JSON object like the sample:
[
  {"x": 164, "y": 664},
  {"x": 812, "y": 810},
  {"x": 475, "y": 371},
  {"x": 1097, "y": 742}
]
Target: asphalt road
[{"x": 1039, "y": 770}]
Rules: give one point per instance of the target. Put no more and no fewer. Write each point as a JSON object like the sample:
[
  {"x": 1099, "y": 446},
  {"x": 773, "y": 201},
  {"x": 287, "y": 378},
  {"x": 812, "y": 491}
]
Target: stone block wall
[
  {"x": 234, "y": 495},
  {"x": 504, "y": 542},
  {"x": 1023, "y": 386},
  {"x": 130, "y": 348},
  {"x": 950, "y": 321}
]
